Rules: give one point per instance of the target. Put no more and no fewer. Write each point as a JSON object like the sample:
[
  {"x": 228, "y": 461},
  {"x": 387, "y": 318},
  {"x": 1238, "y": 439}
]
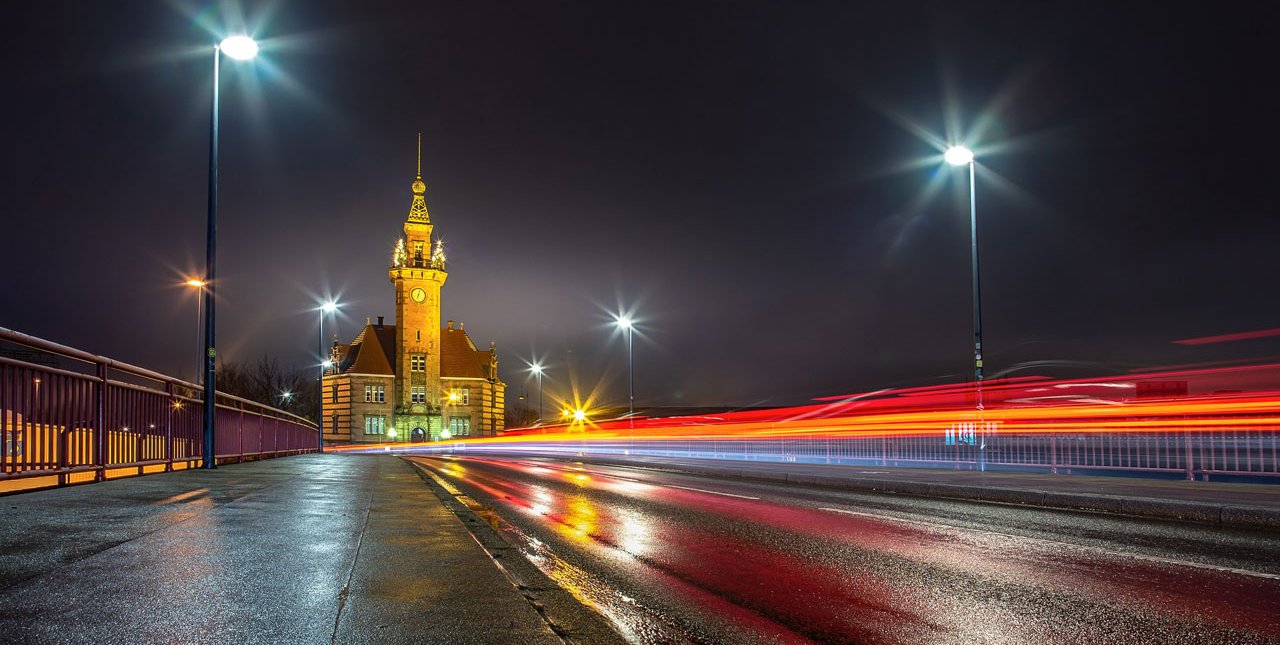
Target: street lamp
[
  {"x": 328, "y": 307},
  {"x": 536, "y": 368},
  {"x": 239, "y": 48},
  {"x": 197, "y": 283},
  {"x": 962, "y": 156},
  {"x": 624, "y": 322}
]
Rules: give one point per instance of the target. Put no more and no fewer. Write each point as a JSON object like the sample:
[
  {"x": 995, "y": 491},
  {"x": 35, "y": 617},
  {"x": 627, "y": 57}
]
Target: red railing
[{"x": 68, "y": 416}]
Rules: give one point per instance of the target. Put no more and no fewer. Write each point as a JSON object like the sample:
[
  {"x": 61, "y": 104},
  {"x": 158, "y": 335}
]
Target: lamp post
[
  {"x": 624, "y": 322},
  {"x": 239, "y": 48},
  {"x": 197, "y": 283},
  {"x": 536, "y": 368},
  {"x": 327, "y": 308},
  {"x": 962, "y": 156}
]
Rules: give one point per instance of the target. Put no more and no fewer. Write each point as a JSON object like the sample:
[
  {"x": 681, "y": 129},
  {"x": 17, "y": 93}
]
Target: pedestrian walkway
[
  {"x": 1227, "y": 504},
  {"x": 305, "y": 549}
]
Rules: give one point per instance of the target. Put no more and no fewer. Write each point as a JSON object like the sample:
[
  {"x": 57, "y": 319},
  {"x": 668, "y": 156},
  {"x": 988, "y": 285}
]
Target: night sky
[{"x": 755, "y": 181}]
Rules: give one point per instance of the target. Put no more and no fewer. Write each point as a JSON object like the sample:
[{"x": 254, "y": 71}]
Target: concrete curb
[
  {"x": 1225, "y": 515},
  {"x": 568, "y": 618}
]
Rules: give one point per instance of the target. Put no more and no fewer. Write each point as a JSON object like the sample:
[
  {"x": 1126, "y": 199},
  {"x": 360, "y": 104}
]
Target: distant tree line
[
  {"x": 265, "y": 381},
  {"x": 520, "y": 415}
]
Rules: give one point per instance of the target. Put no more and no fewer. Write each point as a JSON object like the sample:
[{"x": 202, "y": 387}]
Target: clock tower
[
  {"x": 417, "y": 271},
  {"x": 417, "y": 380}
]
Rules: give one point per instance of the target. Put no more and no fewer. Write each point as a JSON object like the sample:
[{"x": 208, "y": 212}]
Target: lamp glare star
[
  {"x": 239, "y": 47},
  {"x": 958, "y": 155}
]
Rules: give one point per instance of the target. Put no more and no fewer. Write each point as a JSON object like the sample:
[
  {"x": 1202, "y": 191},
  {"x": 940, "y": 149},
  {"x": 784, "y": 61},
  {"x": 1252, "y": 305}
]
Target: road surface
[{"x": 679, "y": 558}]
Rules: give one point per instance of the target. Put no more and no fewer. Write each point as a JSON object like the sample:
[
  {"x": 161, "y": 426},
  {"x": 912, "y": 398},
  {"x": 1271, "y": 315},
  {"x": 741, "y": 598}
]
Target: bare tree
[
  {"x": 264, "y": 381},
  {"x": 520, "y": 415}
]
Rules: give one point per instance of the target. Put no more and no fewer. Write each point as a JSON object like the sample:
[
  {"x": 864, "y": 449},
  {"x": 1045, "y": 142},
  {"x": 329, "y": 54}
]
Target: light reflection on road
[{"x": 667, "y": 562}]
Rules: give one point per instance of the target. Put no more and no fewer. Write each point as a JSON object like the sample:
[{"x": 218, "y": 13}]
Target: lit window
[
  {"x": 382, "y": 394},
  {"x": 375, "y": 425},
  {"x": 418, "y": 394},
  {"x": 459, "y": 426},
  {"x": 464, "y": 396},
  {"x": 418, "y": 363}
]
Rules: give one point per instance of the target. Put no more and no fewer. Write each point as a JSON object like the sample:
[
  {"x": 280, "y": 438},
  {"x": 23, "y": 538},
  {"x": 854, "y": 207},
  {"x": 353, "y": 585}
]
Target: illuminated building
[{"x": 415, "y": 377}]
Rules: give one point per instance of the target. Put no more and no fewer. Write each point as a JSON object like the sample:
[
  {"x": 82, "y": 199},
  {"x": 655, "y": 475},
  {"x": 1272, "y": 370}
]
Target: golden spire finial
[{"x": 418, "y": 186}]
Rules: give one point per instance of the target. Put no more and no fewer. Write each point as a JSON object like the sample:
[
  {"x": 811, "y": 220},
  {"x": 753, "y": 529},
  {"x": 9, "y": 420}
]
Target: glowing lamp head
[
  {"x": 624, "y": 322},
  {"x": 535, "y": 368},
  {"x": 287, "y": 395},
  {"x": 195, "y": 282},
  {"x": 391, "y": 434},
  {"x": 579, "y": 415},
  {"x": 329, "y": 307},
  {"x": 453, "y": 396},
  {"x": 958, "y": 155},
  {"x": 327, "y": 363},
  {"x": 239, "y": 47},
  {"x": 445, "y": 434}
]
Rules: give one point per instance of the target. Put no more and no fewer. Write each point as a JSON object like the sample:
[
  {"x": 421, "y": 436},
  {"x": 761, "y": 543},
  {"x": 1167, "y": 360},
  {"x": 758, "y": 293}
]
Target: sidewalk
[
  {"x": 306, "y": 549},
  {"x": 1253, "y": 506}
]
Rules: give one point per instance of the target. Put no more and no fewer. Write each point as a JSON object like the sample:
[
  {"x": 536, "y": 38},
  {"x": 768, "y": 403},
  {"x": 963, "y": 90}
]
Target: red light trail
[{"x": 1231, "y": 415}]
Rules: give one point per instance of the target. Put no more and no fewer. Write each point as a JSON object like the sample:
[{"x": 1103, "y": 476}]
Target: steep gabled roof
[
  {"x": 459, "y": 357},
  {"x": 372, "y": 351}
]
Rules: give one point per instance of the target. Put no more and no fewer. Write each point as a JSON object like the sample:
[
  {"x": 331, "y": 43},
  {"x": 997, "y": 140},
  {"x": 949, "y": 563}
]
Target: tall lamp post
[
  {"x": 239, "y": 48},
  {"x": 962, "y": 156},
  {"x": 536, "y": 368},
  {"x": 327, "y": 308},
  {"x": 624, "y": 322},
  {"x": 197, "y": 283}
]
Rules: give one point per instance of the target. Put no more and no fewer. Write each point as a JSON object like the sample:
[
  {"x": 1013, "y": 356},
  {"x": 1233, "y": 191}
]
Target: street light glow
[
  {"x": 329, "y": 306},
  {"x": 579, "y": 415},
  {"x": 535, "y": 368},
  {"x": 195, "y": 282},
  {"x": 327, "y": 363},
  {"x": 958, "y": 155},
  {"x": 624, "y": 322},
  {"x": 239, "y": 47}
]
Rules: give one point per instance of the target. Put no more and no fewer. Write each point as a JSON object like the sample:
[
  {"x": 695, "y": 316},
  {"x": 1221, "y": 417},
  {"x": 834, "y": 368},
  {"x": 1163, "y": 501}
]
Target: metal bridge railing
[{"x": 68, "y": 416}]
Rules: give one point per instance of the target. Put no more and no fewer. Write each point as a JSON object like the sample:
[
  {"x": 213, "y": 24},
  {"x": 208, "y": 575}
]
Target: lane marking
[
  {"x": 713, "y": 492},
  {"x": 1055, "y": 543}
]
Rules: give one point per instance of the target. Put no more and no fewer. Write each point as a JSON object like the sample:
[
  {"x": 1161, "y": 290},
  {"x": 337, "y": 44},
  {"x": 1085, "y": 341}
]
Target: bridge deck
[{"x": 306, "y": 549}]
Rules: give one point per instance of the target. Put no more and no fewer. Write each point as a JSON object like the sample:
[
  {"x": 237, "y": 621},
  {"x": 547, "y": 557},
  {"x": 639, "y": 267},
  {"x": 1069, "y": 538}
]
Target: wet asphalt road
[{"x": 681, "y": 558}]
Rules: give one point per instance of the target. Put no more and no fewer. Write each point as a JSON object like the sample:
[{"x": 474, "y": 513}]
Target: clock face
[{"x": 418, "y": 295}]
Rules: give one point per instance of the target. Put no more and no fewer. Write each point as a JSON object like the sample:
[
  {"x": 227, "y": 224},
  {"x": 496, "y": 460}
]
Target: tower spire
[{"x": 418, "y": 209}]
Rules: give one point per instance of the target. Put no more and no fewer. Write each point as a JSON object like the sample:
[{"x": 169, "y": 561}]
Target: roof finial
[{"x": 418, "y": 211}]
